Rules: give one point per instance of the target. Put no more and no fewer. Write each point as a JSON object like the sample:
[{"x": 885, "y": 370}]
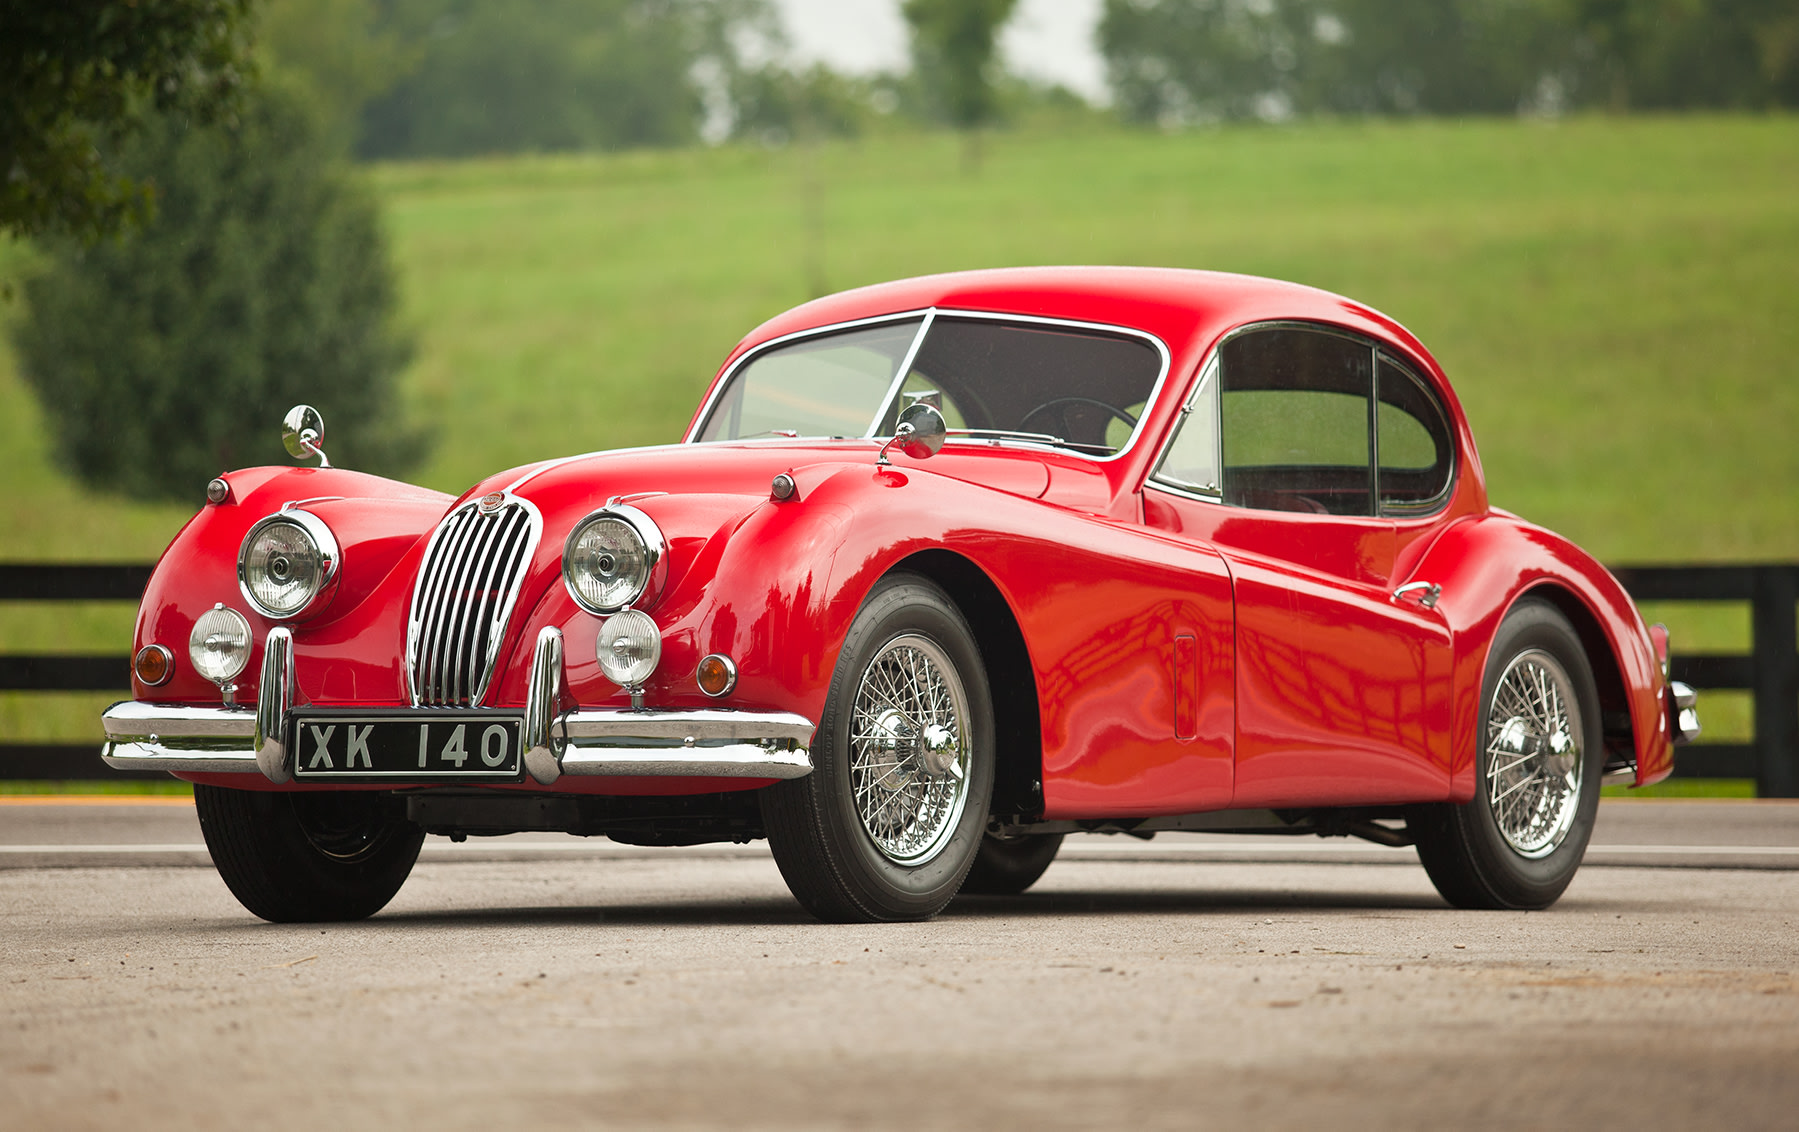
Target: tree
[
  {"x": 77, "y": 76},
  {"x": 504, "y": 76},
  {"x": 952, "y": 49},
  {"x": 170, "y": 354}
]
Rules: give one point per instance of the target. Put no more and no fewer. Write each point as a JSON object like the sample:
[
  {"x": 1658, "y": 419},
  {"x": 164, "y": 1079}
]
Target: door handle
[{"x": 1428, "y": 593}]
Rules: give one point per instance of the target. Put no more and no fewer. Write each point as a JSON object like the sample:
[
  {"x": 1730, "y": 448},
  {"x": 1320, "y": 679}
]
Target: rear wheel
[
  {"x": 888, "y": 822},
  {"x": 1006, "y": 866},
  {"x": 308, "y": 857},
  {"x": 1519, "y": 840}
]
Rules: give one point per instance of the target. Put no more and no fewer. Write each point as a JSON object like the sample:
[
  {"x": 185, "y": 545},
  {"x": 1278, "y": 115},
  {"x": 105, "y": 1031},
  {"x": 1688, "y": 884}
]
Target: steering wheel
[{"x": 1063, "y": 404}]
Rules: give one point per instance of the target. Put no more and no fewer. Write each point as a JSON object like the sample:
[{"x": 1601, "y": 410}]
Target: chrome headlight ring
[
  {"x": 288, "y": 565},
  {"x": 615, "y": 558}
]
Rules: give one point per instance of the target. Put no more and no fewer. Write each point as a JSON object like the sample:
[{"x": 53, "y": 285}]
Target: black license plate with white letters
[{"x": 479, "y": 746}]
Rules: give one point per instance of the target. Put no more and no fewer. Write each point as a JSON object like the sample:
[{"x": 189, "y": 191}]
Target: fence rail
[{"x": 1770, "y": 672}]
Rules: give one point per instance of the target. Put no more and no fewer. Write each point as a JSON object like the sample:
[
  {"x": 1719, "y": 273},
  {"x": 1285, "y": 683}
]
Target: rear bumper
[
  {"x": 1683, "y": 712},
  {"x": 704, "y": 742}
]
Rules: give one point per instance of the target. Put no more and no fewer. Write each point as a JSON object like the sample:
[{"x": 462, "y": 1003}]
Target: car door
[{"x": 1339, "y": 690}]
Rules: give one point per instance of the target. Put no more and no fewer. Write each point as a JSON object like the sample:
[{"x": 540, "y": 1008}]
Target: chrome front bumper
[{"x": 704, "y": 742}]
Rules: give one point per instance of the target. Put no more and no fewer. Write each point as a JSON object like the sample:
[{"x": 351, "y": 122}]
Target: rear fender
[{"x": 1486, "y": 565}]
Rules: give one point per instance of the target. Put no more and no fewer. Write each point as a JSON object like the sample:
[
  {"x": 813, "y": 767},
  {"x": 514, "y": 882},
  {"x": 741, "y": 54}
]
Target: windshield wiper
[{"x": 1030, "y": 437}]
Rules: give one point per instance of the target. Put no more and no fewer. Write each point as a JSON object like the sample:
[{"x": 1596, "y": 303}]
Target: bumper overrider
[{"x": 702, "y": 742}]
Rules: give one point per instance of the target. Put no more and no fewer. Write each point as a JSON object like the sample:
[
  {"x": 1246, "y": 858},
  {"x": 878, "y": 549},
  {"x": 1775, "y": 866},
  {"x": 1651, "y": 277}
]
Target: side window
[
  {"x": 1417, "y": 449},
  {"x": 1295, "y": 422},
  {"x": 1191, "y": 462}
]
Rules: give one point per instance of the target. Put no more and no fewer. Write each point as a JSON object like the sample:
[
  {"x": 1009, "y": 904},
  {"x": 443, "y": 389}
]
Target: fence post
[{"x": 1776, "y": 682}]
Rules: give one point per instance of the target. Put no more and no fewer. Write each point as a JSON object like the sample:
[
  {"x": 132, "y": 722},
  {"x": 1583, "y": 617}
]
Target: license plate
[{"x": 464, "y": 745}]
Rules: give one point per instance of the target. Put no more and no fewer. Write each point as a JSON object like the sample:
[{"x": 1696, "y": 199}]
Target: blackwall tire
[
  {"x": 1009, "y": 865},
  {"x": 889, "y": 821},
  {"x": 311, "y": 857},
  {"x": 1539, "y": 756}
]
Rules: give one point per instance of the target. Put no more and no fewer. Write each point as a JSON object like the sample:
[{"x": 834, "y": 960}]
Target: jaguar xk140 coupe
[{"x": 942, "y": 570}]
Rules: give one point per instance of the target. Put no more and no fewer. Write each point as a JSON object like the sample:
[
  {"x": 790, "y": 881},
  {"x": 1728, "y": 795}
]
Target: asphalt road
[{"x": 1175, "y": 983}]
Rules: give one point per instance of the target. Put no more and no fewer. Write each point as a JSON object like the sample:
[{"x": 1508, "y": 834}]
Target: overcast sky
[{"x": 1045, "y": 39}]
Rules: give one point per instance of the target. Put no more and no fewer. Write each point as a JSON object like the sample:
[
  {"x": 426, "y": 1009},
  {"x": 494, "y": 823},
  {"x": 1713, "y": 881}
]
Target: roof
[{"x": 1187, "y": 309}]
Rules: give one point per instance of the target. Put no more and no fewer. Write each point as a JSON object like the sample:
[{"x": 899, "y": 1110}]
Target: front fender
[{"x": 377, "y": 523}]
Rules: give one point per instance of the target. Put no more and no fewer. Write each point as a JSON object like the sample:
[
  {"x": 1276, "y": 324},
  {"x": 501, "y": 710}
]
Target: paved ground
[{"x": 1156, "y": 984}]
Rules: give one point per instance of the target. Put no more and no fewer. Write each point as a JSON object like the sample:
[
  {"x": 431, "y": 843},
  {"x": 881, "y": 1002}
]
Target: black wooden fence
[{"x": 1770, "y": 672}]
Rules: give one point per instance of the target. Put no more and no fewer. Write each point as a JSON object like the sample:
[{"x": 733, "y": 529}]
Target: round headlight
[
  {"x": 614, "y": 558},
  {"x": 630, "y": 645},
  {"x": 287, "y": 561},
  {"x": 219, "y": 646}
]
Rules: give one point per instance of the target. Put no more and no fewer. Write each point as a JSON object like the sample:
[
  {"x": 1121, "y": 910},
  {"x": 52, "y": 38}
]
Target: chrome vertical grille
[{"x": 466, "y": 589}]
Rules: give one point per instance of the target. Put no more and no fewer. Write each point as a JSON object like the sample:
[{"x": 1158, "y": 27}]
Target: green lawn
[{"x": 1617, "y": 301}]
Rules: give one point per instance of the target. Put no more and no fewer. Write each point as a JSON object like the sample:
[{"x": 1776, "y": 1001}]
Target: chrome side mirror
[
  {"x": 919, "y": 435},
  {"x": 302, "y": 432}
]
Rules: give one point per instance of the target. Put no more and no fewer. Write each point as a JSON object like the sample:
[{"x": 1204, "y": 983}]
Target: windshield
[
  {"x": 831, "y": 385},
  {"x": 994, "y": 380}
]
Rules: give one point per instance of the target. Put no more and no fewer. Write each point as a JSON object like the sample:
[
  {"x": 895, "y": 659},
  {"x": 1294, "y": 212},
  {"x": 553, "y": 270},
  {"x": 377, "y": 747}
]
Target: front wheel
[
  {"x": 886, "y": 825},
  {"x": 305, "y": 857},
  {"x": 1519, "y": 840}
]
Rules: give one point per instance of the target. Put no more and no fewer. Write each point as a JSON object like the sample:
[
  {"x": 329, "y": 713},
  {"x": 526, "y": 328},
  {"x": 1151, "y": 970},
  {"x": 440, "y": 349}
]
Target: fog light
[
  {"x": 629, "y": 648},
  {"x": 153, "y": 665},
  {"x": 219, "y": 646},
  {"x": 717, "y": 675}
]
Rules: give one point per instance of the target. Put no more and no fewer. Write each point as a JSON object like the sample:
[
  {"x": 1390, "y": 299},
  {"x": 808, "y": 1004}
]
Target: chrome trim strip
[
  {"x": 698, "y": 723},
  {"x": 161, "y": 756},
  {"x": 133, "y": 721},
  {"x": 739, "y": 760},
  {"x": 541, "y": 700},
  {"x": 899, "y": 375},
  {"x": 274, "y": 699}
]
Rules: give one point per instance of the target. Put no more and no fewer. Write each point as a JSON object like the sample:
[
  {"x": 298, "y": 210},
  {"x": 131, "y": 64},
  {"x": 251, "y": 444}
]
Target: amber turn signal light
[
  {"x": 153, "y": 665},
  {"x": 717, "y": 675}
]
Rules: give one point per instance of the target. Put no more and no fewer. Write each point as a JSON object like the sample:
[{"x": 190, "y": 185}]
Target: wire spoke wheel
[
  {"x": 890, "y": 820},
  {"x": 909, "y": 756},
  {"x": 1539, "y": 752},
  {"x": 1534, "y": 755}
]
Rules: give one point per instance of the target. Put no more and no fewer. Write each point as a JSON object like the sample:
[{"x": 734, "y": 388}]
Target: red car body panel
[{"x": 1186, "y": 656}]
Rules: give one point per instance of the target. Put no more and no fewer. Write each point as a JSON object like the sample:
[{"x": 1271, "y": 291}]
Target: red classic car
[{"x": 943, "y": 570}]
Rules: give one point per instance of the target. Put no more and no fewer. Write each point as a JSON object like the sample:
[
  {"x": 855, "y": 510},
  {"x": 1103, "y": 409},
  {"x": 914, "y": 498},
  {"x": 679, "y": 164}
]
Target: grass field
[{"x": 1617, "y": 301}]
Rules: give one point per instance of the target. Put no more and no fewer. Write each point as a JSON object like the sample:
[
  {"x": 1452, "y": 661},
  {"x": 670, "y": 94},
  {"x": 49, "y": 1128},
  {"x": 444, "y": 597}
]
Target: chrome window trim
[
  {"x": 900, "y": 374},
  {"x": 930, "y": 315},
  {"x": 1208, "y": 379},
  {"x": 1437, "y": 502},
  {"x": 655, "y": 546},
  {"x": 330, "y": 560},
  {"x": 1211, "y": 369}
]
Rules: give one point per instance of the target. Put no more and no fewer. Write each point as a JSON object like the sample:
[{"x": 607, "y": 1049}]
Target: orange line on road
[{"x": 96, "y": 800}]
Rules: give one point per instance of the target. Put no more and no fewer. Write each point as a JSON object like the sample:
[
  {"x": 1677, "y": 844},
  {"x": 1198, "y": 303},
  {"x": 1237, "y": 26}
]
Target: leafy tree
[
  {"x": 952, "y": 48},
  {"x": 1180, "y": 60},
  {"x": 338, "y": 51},
  {"x": 169, "y": 355},
  {"x": 77, "y": 76},
  {"x": 504, "y": 76}
]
